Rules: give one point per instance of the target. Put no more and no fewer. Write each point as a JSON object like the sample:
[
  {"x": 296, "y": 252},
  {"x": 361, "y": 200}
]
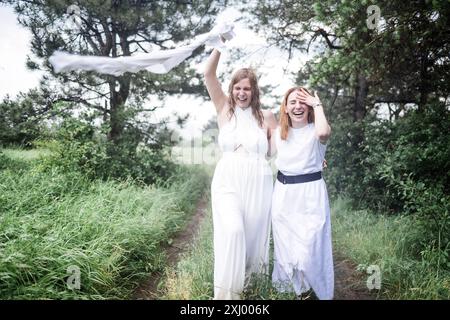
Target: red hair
[{"x": 285, "y": 120}]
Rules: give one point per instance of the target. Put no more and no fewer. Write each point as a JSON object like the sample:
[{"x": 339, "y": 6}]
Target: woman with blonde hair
[
  {"x": 300, "y": 207},
  {"x": 242, "y": 185}
]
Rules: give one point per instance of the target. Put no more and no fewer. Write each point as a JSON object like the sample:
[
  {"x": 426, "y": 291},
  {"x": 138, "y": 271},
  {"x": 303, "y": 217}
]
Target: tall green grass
[
  {"x": 16, "y": 159},
  {"x": 363, "y": 237},
  {"x": 388, "y": 241},
  {"x": 25, "y": 154},
  {"x": 112, "y": 232},
  {"x": 192, "y": 278}
]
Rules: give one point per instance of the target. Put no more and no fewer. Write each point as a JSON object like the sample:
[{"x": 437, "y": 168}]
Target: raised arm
[
  {"x": 213, "y": 86},
  {"x": 323, "y": 129}
]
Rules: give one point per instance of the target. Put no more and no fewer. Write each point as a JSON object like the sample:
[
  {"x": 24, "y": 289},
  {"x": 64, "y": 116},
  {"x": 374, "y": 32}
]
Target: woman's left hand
[{"x": 308, "y": 99}]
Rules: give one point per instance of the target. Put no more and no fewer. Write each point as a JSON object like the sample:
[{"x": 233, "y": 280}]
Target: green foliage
[
  {"x": 78, "y": 147},
  {"x": 417, "y": 147},
  {"x": 4, "y": 161},
  {"x": 398, "y": 167},
  {"x": 390, "y": 242},
  {"x": 192, "y": 278},
  {"x": 10, "y": 163},
  {"x": 114, "y": 29},
  {"x": 20, "y": 121},
  {"x": 112, "y": 231},
  {"x": 404, "y": 60}
]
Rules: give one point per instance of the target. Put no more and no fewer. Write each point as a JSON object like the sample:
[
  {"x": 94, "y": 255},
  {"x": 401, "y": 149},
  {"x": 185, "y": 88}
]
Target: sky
[
  {"x": 14, "y": 77},
  {"x": 14, "y": 47}
]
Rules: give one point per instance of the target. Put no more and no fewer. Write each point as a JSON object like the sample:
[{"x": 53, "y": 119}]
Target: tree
[
  {"x": 114, "y": 28},
  {"x": 404, "y": 63},
  {"x": 21, "y": 120},
  {"x": 404, "y": 60}
]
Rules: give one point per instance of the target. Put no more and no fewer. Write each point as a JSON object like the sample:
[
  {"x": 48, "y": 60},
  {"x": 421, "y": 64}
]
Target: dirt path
[
  {"x": 349, "y": 285},
  {"x": 148, "y": 290}
]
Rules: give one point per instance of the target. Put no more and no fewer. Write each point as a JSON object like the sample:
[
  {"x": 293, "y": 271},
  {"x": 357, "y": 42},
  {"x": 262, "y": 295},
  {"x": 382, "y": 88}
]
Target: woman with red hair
[
  {"x": 242, "y": 185},
  {"x": 300, "y": 207}
]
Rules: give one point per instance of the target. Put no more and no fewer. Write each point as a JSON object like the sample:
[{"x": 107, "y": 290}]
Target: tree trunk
[
  {"x": 361, "y": 90},
  {"x": 424, "y": 89},
  {"x": 117, "y": 107},
  {"x": 359, "y": 111},
  {"x": 119, "y": 97}
]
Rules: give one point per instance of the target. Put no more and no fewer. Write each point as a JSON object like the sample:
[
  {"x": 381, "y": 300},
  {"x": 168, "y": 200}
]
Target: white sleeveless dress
[
  {"x": 241, "y": 193},
  {"x": 301, "y": 218}
]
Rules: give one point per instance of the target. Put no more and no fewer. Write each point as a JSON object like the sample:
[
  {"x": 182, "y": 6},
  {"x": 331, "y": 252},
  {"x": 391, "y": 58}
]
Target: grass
[
  {"x": 386, "y": 241},
  {"x": 25, "y": 154},
  {"x": 192, "y": 277},
  {"x": 363, "y": 237},
  {"x": 111, "y": 232}
]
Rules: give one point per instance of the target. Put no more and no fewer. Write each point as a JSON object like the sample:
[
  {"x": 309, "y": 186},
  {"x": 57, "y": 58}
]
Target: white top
[
  {"x": 242, "y": 130},
  {"x": 301, "y": 153}
]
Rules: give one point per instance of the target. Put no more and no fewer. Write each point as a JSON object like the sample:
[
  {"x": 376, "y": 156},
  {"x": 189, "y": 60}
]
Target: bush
[
  {"x": 397, "y": 167},
  {"x": 78, "y": 147},
  {"x": 20, "y": 120}
]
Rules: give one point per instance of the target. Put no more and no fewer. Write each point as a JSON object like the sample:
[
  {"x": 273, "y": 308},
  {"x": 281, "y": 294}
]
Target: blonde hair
[
  {"x": 255, "y": 103},
  {"x": 285, "y": 120}
]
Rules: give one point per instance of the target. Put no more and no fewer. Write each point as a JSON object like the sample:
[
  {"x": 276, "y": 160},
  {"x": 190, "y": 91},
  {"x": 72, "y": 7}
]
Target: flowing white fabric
[
  {"x": 157, "y": 62},
  {"x": 241, "y": 193},
  {"x": 301, "y": 218}
]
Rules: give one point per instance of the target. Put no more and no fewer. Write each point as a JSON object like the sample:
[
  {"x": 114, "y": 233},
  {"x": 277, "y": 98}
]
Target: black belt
[{"x": 301, "y": 178}]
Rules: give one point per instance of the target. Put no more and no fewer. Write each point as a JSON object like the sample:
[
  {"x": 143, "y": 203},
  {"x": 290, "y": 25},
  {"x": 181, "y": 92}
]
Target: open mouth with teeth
[{"x": 298, "y": 113}]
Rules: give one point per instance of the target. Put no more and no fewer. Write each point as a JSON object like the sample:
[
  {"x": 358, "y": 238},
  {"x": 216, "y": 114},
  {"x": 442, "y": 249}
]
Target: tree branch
[
  {"x": 325, "y": 35},
  {"x": 77, "y": 100}
]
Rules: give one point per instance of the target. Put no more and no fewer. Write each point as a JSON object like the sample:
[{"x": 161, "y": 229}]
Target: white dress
[
  {"x": 301, "y": 218},
  {"x": 241, "y": 193}
]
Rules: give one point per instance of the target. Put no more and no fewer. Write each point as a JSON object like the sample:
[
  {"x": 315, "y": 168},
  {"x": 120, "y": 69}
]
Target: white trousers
[{"x": 241, "y": 193}]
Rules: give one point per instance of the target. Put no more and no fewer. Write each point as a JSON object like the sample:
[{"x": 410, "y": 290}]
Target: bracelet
[{"x": 316, "y": 105}]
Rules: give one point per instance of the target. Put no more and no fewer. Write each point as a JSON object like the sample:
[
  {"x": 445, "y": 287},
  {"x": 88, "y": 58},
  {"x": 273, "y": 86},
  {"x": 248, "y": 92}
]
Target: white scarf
[{"x": 157, "y": 62}]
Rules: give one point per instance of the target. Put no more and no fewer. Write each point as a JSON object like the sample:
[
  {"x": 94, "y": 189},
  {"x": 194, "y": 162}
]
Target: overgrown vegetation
[
  {"x": 390, "y": 242},
  {"x": 400, "y": 167},
  {"x": 79, "y": 146},
  {"x": 111, "y": 231}
]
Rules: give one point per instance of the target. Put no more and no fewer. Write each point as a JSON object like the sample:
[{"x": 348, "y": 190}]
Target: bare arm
[
  {"x": 271, "y": 125},
  {"x": 272, "y": 144},
  {"x": 323, "y": 129},
  {"x": 213, "y": 86},
  {"x": 269, "y": 119}
]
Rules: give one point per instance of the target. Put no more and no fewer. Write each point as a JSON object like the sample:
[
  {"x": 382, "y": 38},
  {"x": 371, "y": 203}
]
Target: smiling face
[
  {"x": 242, "y": 93},
  {"x": 297, "y": 111}
]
